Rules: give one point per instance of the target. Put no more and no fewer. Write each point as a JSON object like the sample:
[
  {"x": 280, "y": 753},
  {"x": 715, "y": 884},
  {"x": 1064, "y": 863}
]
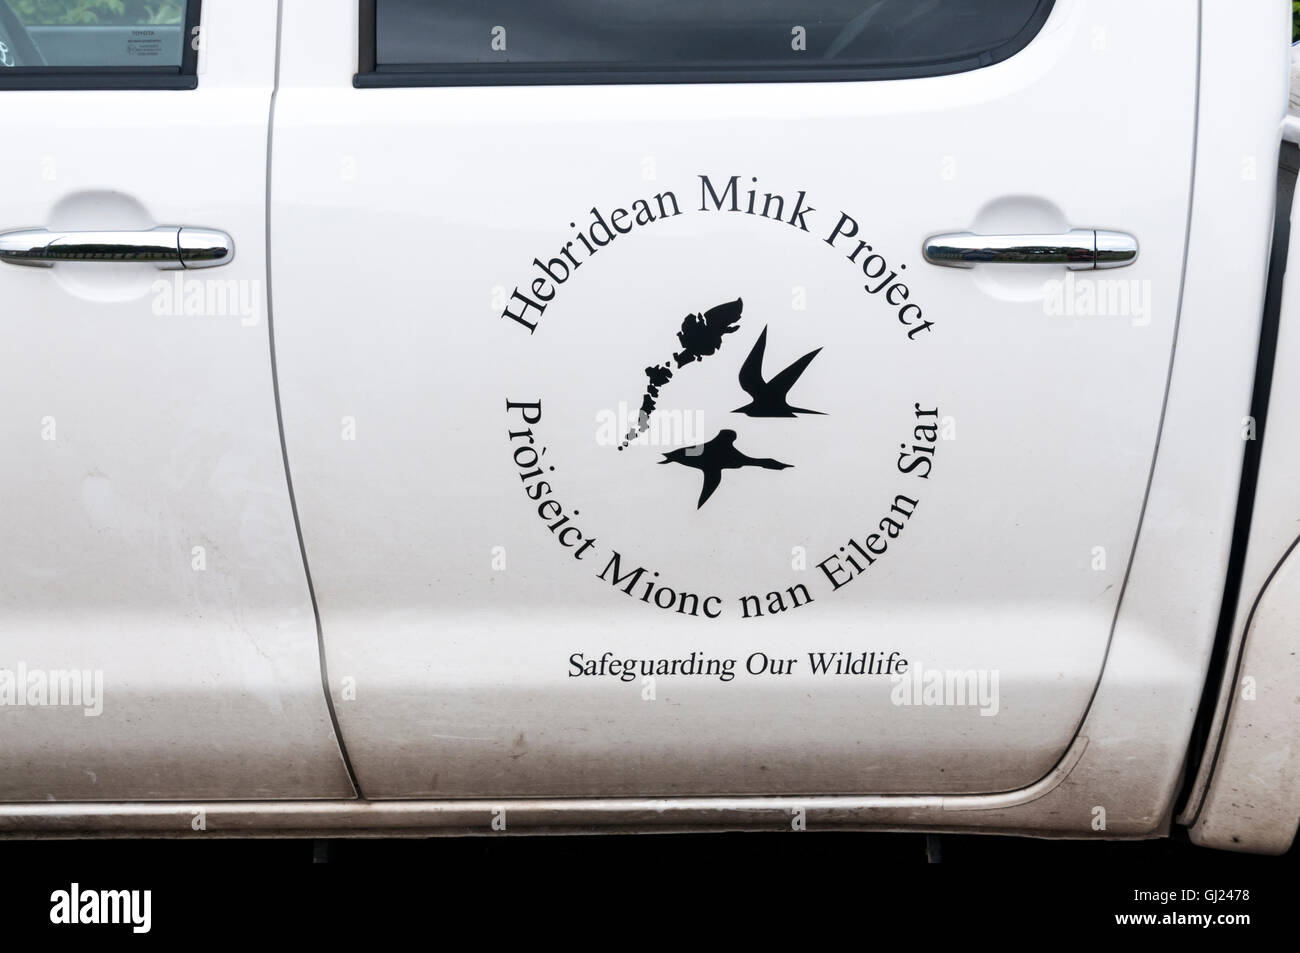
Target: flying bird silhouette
[
  {"x": 714, "y": 456},
  {"x": 768, "y": 397}
]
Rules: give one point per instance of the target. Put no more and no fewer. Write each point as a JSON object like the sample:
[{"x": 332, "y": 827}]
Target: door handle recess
[
  {"x": 1077, "y": 249},
  {"x": 167, "y": 246}
]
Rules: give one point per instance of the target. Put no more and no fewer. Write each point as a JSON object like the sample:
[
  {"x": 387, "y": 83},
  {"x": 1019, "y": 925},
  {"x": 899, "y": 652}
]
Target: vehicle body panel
[{"x": 154, "y": 543}]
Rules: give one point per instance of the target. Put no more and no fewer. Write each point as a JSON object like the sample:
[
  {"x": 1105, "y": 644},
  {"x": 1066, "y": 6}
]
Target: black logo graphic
[
  {"x": 786, "y": 411},
  {"x": 769, "y": 397},
  {"x": 713, "y": 457},
  {"x": 700, "y": 336}
]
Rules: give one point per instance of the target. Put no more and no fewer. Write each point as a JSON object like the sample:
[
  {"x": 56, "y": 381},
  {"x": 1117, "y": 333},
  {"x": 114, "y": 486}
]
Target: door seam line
[
  {"x": 1169, "y": 383},
  {"x": 279, "y": 420}
]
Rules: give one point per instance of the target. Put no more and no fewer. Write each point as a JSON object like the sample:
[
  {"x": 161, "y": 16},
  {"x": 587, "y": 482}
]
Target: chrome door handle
[
  {"x": 1079, "y": 248},
  {"x": 167, "y": 246}
]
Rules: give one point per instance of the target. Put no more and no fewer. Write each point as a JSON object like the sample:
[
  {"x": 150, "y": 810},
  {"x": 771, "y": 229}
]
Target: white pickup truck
[{"x": 432, "y": 416}]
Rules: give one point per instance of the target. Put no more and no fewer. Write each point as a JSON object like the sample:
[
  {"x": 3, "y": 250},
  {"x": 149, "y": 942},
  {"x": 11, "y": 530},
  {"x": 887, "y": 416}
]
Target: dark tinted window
[{"x": 777, "y": 37}]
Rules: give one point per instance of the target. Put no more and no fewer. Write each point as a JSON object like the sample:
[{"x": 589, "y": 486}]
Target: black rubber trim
[
  {"x": 116, "y": 77},
  {"x": 367, "y": 31},
  {"x": 370, "y": 76},
  {"x": 189, "y": 48},
  {"x": 1288, "y": 165},
  {"x": 77, "y": 79}
]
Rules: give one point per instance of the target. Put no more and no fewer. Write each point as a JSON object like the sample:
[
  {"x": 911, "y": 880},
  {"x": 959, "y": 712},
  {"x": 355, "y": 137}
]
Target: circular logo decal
[{"x": 733, "y": 417}]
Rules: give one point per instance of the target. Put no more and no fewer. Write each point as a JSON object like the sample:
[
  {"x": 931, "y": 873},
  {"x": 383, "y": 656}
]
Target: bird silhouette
[
  {"x": 768, "y": 397},
  {"x": 714, "y": 456}
]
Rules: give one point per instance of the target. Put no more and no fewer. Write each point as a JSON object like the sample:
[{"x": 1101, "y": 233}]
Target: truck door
[
  {"x": 156, "y": 629},
  {"x": 752, "y": 401}
]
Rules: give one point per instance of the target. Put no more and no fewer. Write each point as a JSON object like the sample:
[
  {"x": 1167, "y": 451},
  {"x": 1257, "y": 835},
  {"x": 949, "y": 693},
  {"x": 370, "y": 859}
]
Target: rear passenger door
[
  {"x": 640, "y": 444},
  {"x": 157, "y": 639}
]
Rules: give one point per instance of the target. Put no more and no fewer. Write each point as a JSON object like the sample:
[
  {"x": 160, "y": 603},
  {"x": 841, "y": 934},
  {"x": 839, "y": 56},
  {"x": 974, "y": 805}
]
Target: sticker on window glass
[{"x": 144, "y": 44}]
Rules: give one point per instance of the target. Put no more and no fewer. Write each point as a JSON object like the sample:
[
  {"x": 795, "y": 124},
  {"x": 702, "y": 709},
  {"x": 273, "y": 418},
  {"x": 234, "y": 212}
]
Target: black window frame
[
  {"x": 184, "y": 76},
  {"x": 371, "y": 76}
]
